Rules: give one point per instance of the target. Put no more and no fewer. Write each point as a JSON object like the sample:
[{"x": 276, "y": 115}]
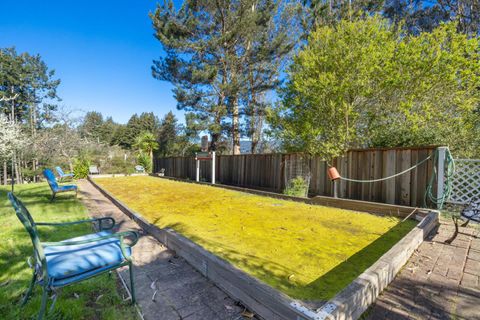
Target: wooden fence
[{"x": 267, "y": 172}]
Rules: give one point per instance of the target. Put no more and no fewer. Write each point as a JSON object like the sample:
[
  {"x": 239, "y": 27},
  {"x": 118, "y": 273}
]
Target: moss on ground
[
  {"x": 309, "y": 252},
  {"x": 96, "y": 298}
]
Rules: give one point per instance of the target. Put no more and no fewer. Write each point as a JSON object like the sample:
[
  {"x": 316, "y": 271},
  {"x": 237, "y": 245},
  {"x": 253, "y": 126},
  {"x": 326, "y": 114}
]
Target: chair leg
[
  {"x": 43, "y": 306},
  {"x": 30, "y": 289},
  {"x": 132, "y": 286},
  {"x": 53, "y": 197}
]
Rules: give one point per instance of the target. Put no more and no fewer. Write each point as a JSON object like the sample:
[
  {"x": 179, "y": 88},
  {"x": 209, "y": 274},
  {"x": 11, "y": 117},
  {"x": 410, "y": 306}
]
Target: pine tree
[
  {"x": 146, "y": 122},
  {"x": 219, "y": 57},
  {"x": 167, "y": 135},
  {"x": 27, "y": 78},
  {"x": 91, "y": 128}
]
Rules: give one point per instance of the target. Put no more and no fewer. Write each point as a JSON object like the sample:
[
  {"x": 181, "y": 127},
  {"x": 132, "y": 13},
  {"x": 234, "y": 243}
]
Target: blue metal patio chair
[
  {"x": 62, "y": 175},
  {"x": 59, "y": 264},
  {"x": 52, "y": 182}
]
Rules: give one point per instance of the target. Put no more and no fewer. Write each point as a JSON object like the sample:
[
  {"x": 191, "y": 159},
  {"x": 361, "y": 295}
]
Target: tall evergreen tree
[
  {"x": 91, "y": 127},
  {"x": 167, "y": 135},
  {"x": 27, "y": 78},
  {"x": 215, "y": 51},
  {"x": 146, "y": 122}
]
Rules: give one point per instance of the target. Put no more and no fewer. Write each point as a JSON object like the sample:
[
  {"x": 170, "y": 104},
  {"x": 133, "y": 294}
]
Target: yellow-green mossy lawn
[{"x": 309, "y": 252}]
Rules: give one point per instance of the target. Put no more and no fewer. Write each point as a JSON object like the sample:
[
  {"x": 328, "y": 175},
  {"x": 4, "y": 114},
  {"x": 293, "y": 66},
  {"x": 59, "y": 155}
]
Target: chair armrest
[
  {"x": 100, "y": 221},
  {"x": 119, "y": 235}
]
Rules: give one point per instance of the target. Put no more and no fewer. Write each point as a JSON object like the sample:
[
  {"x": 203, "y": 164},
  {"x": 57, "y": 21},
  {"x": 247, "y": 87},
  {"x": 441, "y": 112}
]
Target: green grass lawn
[
  {"x": 97, "y": 298},
  {"x": 309, "y": 252}
]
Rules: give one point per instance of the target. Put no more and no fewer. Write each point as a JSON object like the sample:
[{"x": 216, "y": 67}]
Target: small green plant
[
  {"x": 144, "y": 160},
  {"x": 81, "y": 168},
  {"x": 297, "y": 187}
]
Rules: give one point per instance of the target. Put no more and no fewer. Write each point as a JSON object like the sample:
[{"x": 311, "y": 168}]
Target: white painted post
[
  {"x": 441, "y": 171},
  {"x": 213, "y": 167},
  {"x": 198, "y": 168}
]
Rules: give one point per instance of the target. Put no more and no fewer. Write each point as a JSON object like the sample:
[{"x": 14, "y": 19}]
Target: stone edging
[{"x": 269, "y": 303}]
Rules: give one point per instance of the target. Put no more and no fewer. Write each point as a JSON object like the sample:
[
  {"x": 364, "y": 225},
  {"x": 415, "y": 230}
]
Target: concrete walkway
[
  {"x": 167, "y": 287},
  {"x": 440, "y": 281}
]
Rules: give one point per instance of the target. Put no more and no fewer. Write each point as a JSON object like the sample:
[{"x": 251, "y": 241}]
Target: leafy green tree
[
  {"x": 414, "y": 16},
  {"x": 215, "y": 51},
  {"x": 329, "y": 12},
  {"x": 424, "y": 15},
  {"x": 364, "y": 83}
]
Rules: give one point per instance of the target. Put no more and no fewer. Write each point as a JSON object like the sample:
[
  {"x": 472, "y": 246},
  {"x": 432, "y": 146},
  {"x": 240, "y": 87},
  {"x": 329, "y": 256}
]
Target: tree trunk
[
  {"x": 254, "y": 146},
  {"x": 34, "y": 168},
  {"x": 151, "y": 161},
  {"x": 15, "y": 169},
  {"x": 17, "y": 172},
  {"x": 214, "y": 142},
  {"x": 13, "y": 107},
  {"x": 235, "y": 128},
  {"x": 5, "y": 174},
  {"x": 34, "y": 135}
]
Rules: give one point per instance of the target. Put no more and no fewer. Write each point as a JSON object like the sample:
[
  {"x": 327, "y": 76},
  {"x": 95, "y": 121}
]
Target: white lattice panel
[{"x": 465, "y": 181}]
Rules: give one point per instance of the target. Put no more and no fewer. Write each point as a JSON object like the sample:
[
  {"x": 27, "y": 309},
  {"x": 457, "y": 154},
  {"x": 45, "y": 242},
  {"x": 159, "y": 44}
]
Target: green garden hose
[{"x": 449, "y": 172}]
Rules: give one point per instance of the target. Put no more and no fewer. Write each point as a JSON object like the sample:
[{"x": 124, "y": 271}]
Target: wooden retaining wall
[{"x": 267, "y": 172}]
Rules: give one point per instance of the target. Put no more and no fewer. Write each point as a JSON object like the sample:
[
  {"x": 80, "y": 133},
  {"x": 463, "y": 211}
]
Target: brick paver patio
[
  {"x": 167, "y": 287},
  {"x": 440, "y": 281}
]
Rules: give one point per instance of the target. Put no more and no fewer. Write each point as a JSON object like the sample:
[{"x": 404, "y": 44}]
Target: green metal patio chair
[{"x": 59, "y": 264}]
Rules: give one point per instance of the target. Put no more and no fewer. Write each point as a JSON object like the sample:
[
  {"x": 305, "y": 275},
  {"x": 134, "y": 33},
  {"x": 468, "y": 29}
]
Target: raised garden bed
[{"x": 313, "y": 262}]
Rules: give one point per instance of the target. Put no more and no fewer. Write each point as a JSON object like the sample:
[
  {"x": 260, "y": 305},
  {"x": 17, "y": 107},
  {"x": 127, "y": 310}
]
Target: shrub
[
  {"x": 118, "y": 165},
  {"x": 81, "y": 168},
  {"x": 297, "y": 187},
  {"x": 29, "y": 174},
  {"x": 144, "y": 160}
]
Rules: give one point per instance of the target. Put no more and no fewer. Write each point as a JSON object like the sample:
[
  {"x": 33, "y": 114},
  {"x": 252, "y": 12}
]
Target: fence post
[
  {"x": 198, "y": 169},
  {"x": 441, "y": 171},
  {"x": 213, "y": 167}
]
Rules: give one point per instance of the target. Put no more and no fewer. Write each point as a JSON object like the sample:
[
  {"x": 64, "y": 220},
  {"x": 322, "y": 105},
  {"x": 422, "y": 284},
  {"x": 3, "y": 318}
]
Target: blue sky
[{"x": 101, "y": 50}]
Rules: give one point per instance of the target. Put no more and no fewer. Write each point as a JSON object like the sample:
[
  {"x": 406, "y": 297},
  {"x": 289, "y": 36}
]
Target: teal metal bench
[
  {"x": 59, "y": 264},
  {"x": 52, "y": 182}
]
